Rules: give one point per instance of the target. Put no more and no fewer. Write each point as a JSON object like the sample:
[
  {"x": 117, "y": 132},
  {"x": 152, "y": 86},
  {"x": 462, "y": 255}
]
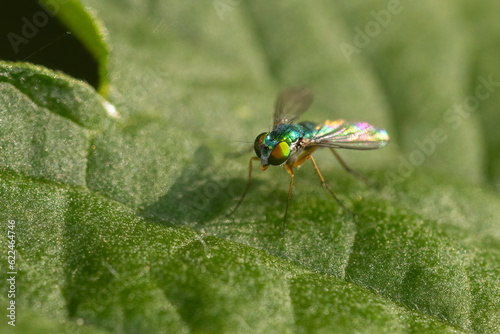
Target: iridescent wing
[
  {"x": 355, "y": 136},
  {"x": 291, "y": 104}
]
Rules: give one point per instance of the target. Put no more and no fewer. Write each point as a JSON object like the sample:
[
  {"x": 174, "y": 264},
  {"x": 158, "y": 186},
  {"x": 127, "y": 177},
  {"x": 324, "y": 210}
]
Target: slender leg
[
  {"x": 328, "y": 187},
  {"x": 351, "y": 171},
  {"x": 290, "y": 171},
  {"x": 246, "y": 189}
]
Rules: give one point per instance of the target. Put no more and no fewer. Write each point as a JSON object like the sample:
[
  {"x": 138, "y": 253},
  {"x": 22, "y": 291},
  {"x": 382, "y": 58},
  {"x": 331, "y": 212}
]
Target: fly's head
[{"x": 271, "y": 151}]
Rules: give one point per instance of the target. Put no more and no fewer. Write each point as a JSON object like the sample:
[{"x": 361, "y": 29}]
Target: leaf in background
[
  {"x": 60, "y": 35},
  {"x": 87, "y": 27}
]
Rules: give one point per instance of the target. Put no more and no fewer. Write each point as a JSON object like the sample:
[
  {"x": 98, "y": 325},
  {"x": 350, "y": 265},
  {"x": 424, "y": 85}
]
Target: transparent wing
[
  {"x": 355, "y": 136},
  {"x": 291, "y": 104}
]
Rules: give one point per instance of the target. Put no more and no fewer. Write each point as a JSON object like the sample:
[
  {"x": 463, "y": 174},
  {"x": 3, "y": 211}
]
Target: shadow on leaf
[{"x": 201, "y": 193}]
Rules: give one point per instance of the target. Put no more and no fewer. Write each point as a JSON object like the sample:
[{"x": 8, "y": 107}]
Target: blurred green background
[{"x": 119, "y": 185}]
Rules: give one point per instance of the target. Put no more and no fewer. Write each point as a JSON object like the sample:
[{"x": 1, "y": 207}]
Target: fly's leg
[
  {"x": 290, "y": 171},
  {"x": 352, "y": 171},
  {"x": 246, "y": 189},
  {"x": 328, "y": 187}
]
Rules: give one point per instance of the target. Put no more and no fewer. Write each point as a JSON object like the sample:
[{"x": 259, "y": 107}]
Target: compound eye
[
  {"x": 279, "y": 154},
  {"x": 258, "y": 143}
]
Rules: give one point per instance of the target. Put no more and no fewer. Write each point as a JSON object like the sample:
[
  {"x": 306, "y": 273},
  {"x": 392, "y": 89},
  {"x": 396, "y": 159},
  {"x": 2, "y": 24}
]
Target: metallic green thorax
[{"x": 292, "y": 134}]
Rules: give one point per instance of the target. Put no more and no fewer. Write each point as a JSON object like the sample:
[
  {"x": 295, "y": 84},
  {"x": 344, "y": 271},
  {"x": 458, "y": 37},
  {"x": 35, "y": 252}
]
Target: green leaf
[
  {"x": 89, "y": 30},
  {"x": 60, "y": 35},
  {"x": 119, "y": 206}
]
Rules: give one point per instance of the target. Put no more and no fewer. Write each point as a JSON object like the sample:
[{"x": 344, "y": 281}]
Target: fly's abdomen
[{"x": 311, "y": 129}]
